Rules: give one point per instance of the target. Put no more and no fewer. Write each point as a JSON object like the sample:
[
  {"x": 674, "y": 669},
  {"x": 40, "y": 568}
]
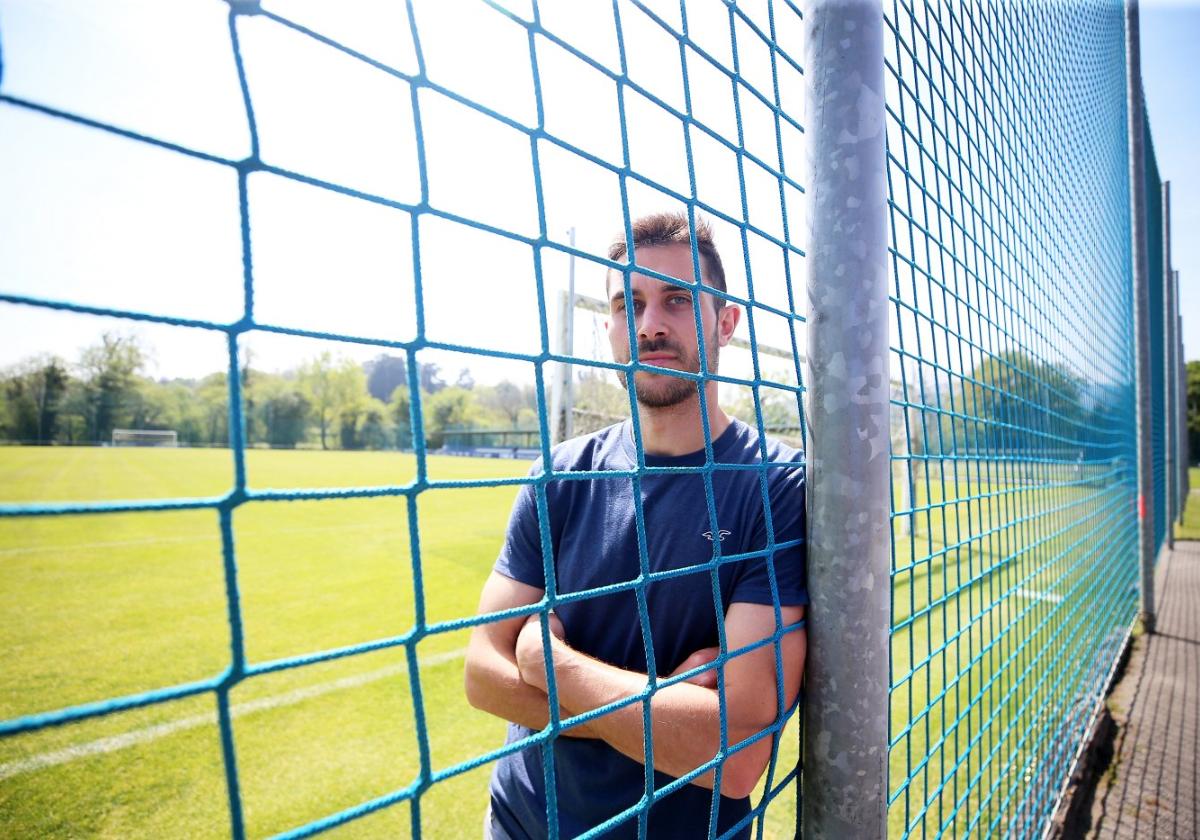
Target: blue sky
[
  {"x": 105, "y": 221},
  {"x": 1171, "y": 75}
]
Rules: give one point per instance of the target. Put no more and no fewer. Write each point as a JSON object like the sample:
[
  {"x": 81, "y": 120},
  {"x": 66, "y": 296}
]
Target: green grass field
[
  {"x": 101, "y": 606},
  {"x": 1189, "y": 529},
  {"x": 1005, "y": 599},
  {"x": 1008, "y": 604}
]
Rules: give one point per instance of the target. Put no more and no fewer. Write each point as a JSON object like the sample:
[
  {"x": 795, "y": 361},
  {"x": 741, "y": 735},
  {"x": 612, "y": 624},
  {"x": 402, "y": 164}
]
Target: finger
[{"x": 705, "y": 679}]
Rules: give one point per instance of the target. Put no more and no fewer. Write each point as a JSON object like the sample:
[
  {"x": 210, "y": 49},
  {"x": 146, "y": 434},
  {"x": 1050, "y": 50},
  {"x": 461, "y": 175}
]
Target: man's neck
[{"x": 676, "y": 430}]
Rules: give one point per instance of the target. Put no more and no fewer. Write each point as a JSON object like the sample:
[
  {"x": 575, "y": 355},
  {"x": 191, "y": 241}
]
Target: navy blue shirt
[{"x": 594, "y": 543}]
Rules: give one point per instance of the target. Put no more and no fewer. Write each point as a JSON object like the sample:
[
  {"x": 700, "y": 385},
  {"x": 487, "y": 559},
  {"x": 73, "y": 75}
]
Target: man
[{"x": 599, "y": 643}]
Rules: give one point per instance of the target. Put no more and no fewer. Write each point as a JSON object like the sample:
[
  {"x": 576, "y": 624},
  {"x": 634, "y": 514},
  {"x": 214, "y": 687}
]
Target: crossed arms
[{"x": 506, "y": 676}]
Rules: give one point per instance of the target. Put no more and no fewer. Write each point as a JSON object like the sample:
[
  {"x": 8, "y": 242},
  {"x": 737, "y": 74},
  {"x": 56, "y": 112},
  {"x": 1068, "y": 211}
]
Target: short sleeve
[
  {"x": 753, "y": 584},
  {"x": 521, "y": 554}
]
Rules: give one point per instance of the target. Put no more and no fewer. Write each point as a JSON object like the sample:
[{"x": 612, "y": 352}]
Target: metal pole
[
  {"x": 1141, "y": 308},
  {"x": 1185, "y": 454},
  {"x": 1169, "y": 366},
  {"x": 558, "y": 383},
  {"x": 849, "y": 567},
  {"x": 562, "y": 394},
  {"x": 569, "y": 385}
]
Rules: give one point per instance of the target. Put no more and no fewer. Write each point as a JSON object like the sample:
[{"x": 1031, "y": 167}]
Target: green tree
[
  {"x": 151, "y": 406},
  {"x": 599, "y": 401},
  {"x": 400, "y": 408},
  {"x": 780, "y": 415},
  {"x": 385, "y": 373},
  {"x": 184, "y": 412},
  {"x": 286, "y": 414},
  {"x": 212, "y": 396},
  {"x": 452, "y": 407},
  {"x": 335, "y": 388},
  {"x": 375, "y": 428},
  {"x": 1025, "y": 404},
  {"x": 430, "y": 377},
  {"x": 504, "y": 398},
  {"x": 34, "y": 394},
  {"x": 109, "y": 373}
]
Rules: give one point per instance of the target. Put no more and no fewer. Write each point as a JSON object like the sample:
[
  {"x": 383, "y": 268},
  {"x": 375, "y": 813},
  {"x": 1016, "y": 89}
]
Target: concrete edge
[{"x": 1073, "y": 808}]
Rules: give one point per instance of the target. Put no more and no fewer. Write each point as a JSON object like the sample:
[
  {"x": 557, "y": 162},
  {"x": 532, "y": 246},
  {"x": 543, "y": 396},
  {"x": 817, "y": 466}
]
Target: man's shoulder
[
  {"x": 597, "y": 450},
  {"x": 748, "y": 446}
]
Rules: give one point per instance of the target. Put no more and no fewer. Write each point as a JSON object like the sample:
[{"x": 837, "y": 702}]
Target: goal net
[{"x": 145, "y": 437}]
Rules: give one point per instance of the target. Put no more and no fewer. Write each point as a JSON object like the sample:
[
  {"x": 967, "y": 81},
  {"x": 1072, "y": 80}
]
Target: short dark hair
[{"x": 674, "y": 229}]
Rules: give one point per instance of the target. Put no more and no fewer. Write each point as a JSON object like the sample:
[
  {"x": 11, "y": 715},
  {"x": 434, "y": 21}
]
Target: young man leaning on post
[{"x": 597, "y": 648}]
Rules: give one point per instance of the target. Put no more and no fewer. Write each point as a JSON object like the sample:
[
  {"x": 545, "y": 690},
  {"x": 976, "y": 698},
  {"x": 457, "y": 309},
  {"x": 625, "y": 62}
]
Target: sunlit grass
[
  {"x": 1189, "y": 529},
  {"x": 104, "y": 606},
  {"x": 1009, "y": 601}
]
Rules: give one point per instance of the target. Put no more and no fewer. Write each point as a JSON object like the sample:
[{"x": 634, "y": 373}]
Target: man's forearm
[
  {"x": 494, "y": 685},
  {"x": 685, "y": 721}
]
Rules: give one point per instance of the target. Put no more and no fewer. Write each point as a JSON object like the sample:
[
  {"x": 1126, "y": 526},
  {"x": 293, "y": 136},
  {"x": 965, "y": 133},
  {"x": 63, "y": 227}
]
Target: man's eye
[{"x": 683, "y": 300}]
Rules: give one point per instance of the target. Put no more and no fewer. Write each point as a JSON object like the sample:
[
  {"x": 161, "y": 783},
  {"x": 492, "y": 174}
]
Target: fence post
[
  {"x": 1169, "y": 366},
  {"x": 844, "y": 788},
  {"x": 1185, "y": 456},
  {"x": 1141, "y": 307}
]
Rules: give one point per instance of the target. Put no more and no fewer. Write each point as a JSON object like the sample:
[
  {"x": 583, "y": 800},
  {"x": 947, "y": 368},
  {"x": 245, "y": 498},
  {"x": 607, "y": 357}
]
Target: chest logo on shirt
[{"x": 721, "y": 535}]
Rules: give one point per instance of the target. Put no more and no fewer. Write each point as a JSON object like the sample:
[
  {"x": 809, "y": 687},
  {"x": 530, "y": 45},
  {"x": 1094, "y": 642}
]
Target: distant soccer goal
[{"x": 145, "y": 437}]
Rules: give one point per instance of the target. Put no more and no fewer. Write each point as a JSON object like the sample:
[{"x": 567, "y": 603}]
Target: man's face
[{"x": 665, "y": 325}]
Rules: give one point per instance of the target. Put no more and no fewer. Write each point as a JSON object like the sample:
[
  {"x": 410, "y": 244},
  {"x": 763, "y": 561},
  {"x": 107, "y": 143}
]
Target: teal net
[
  {"x": 1157, "y": 277},
  {"x": 1013, "y": 434},
  {"x": 746, "y": 61},
  {"x": 1014, "y": 494}
]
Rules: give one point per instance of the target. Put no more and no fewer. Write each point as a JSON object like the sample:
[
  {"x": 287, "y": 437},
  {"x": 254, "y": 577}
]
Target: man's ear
[{"x": 727, "y": 321}]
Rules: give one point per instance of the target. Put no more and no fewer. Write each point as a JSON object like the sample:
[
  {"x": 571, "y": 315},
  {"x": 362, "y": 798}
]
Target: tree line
[{"x": 327, "y": 402}]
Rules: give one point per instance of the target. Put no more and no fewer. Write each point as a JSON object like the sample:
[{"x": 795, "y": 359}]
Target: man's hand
[
  {"x": 705, "y": 679},
  {"x": 531, "y": 655}
]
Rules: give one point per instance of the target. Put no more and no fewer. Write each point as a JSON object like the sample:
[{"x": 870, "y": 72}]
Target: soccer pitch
[
  {"x": 995, "y": 629},
  {"x": 102, "y": 606},
  {"x": 1009, "y": 609}
]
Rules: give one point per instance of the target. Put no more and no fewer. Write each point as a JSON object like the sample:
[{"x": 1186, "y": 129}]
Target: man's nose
[{"x": 653, "y": 323}]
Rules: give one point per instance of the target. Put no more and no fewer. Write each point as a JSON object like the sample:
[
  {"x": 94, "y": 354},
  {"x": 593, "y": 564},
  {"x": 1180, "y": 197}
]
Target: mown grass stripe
[{"x": 147, "y": 734}]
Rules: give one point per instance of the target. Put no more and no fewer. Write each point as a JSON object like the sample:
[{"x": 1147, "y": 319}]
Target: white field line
[
  {"x": 162, "y": 730},
  {"x": 1039, "y": 596}
]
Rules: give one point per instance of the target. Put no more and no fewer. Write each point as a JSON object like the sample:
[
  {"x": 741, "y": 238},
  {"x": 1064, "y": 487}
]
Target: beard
[{"x": 661, "y": 390}]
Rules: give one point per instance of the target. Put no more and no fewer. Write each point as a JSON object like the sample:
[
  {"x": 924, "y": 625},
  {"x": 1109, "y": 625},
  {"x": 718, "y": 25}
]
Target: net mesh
[
  {"x": 755, "y": 227},
  {"x": 1016, "y": 535},
  {"x": 1014, "y": 556},
  {"x": 1156, "y": 277}
]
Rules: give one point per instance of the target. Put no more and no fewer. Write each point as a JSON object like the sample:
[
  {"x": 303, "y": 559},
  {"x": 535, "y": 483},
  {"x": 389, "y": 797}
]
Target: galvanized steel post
[
  {"x": 1169, "y": 367},
  {"x": 849, "y": 528},
  {"x": 1185, "y": 456},
  {"x": 1141, "y": 308}
]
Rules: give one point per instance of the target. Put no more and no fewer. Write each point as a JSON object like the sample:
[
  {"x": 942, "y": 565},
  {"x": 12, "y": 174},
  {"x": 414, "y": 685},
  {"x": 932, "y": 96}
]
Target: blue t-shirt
[{"x": 593, "y": 539}]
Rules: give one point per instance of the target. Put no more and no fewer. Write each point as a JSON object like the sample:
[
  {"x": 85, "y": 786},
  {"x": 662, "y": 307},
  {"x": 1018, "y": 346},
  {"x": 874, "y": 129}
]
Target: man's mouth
[{"x": 655, "y": 358}]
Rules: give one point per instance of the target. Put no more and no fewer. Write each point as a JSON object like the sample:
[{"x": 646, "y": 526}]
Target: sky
[
  {"x": 1170, "y": 68},
  {"x": 105, "y": 221}
]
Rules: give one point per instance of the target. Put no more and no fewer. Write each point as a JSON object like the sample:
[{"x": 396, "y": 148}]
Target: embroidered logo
[{"x": 721, "y": 535}]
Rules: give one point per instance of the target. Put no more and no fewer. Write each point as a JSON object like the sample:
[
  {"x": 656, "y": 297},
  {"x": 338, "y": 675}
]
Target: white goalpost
[{"x": 145, "y": 437}]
